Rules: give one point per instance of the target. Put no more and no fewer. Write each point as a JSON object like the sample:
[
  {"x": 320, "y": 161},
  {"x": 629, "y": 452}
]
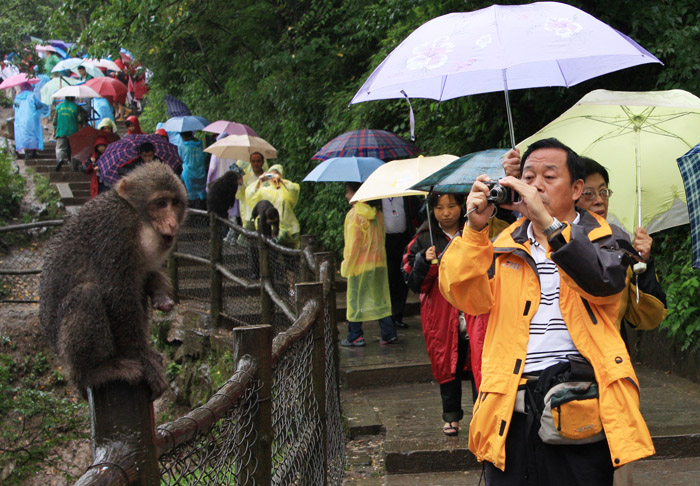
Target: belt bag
[{"x": 571, "y": 414}]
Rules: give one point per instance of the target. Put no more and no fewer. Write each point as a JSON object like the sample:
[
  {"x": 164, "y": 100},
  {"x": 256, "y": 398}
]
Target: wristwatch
[{"x": 553, "y": 228}]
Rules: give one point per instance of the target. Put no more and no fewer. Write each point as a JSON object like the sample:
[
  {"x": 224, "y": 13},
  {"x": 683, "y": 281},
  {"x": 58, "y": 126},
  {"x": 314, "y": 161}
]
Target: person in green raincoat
[
  {"x": 364, "y": 265},
  {"x": 283, "y": 194}
]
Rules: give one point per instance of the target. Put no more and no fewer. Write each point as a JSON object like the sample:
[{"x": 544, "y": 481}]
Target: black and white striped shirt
[{"x": 550, "y": 341}]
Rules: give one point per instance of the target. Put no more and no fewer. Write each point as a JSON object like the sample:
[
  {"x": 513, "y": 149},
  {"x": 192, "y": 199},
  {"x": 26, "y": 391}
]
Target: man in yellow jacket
[{"x": 551, "y": 283}]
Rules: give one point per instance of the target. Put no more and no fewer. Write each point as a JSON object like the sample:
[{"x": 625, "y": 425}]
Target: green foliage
[
  {"x": 289, "y": 69},
  {"x": 681, "y": 284},
  {"x": 21, "y": 18},
  {"x": 12, "y": 189},
  {"x": 221, "y": 366},
  {"x": 172, "y": 370},
  {"x": 35, "y": 419}
]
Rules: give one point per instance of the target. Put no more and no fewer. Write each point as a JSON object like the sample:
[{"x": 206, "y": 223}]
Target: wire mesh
[
  {"x": 240, "y": 256},
  {"x": 297, "y": 449},
  {"x": 285, "y": 273},
  {"x": 221, "y": 455},
  {"x": 334, "y": 427},
  {"x": 22, "y": 250},
  {"x": 193, "y": 239}
]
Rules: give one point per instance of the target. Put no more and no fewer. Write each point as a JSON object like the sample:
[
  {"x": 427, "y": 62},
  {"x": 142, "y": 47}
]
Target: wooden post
[
  {"x": 256, "y": 341},
  {"x": 267, "y": 307},
  {"x": 215, "y": 279},
  {"x": 330, "y": 302},
  {"x": 308, "y": 246},
  {"x": 123, "y": 436},
  {"x": 305, "y": 293}
]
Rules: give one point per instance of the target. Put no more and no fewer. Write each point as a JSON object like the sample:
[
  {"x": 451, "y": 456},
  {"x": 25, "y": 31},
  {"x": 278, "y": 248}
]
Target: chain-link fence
[{"x": 21, "y": 257}]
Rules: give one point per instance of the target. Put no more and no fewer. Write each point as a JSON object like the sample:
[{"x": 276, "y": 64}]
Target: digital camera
[{"x": 499, "y": 194}]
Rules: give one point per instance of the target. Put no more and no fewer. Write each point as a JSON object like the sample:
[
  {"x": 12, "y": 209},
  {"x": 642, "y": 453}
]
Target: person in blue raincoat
[
  {"x": 28, "y": 134},
  {"x": 194, "y": 169},
  {"x": 103, "y": 110}
]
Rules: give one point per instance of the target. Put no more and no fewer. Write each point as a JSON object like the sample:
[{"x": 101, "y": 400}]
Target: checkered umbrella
[
  {"x": 121, "y": 151},
  {"x": 176, "y": 107},
  {"x": 368, "y": 143},
  {"x": 689, "y": 165}
]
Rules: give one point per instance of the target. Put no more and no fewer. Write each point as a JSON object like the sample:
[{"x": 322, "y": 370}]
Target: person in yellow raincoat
[
  {"x": 364, "y": 265},
  {"x": 283, "y": 194},
  {"x": 252, "y": 171}
]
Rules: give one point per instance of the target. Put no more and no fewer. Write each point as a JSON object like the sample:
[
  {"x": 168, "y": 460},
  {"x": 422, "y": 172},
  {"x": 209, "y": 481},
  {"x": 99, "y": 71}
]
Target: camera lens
[{"x": 499, "y": 194}]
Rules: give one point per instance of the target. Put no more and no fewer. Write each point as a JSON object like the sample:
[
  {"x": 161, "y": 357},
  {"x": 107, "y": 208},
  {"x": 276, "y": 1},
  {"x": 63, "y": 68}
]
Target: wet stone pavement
[{"x": 393, "y": 413}]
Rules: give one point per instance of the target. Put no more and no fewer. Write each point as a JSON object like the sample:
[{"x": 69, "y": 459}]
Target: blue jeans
[{"x": 386, "y": 325}]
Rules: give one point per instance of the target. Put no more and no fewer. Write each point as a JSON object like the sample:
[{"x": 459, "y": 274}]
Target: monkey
[
  {"x": 222, "y": 193},
  {"x": 99, "y": 272},
  {"x": 268, "y": 218}
]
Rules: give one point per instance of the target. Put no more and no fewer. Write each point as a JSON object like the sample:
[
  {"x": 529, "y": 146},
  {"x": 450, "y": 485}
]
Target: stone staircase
[{"x": 73, "y": 187}]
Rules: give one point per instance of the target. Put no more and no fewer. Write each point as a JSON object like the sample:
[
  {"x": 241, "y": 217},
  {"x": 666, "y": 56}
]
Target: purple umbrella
[
  {"x": 500, "y": 48},
  {"x": 176, "y": 107},
  {"x": 122, "y": 151},
  {"x": 232, "y": 128},
  {"x": 368, "y": 143}
]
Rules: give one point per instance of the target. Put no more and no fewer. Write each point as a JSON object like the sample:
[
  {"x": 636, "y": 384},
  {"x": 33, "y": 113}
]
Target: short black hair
[
  {"x": 434, "y": 196},
  {"x": 593, "y": 167},
  {"x": 573, "y": 161},
  {"x": 146, "y": 147},
  {"x": 353, "y": 186}
]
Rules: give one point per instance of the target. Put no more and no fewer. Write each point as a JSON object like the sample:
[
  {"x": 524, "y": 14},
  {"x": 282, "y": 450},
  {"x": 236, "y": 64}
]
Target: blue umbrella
[
  {"x": 689, "y": 165},
  {"x": 458, "y": 176},
  {"x": 189, "y": 123},
  {"x": 344, "y": 169}
]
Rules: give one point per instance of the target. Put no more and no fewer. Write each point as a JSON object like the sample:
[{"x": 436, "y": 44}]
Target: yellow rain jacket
[
  {"x": 364, "y": 264},
  {"x": 249, "y": 178},
  {"x": 500, "y": 278},
  {"x": 283, "y": 198}
]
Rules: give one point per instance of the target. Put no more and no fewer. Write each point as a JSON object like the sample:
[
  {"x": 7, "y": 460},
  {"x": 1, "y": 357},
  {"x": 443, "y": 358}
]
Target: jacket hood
[
  {"x": 278, "y": 168},
  {"x": 363, "y": 209}
]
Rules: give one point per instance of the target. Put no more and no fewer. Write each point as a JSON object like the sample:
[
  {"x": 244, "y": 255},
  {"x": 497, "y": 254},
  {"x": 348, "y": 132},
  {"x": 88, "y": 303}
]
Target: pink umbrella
[
  {"x": 232, "y": 128},
  {"x": 498, "y": 48},
  {"x": 16, "y": 80}
]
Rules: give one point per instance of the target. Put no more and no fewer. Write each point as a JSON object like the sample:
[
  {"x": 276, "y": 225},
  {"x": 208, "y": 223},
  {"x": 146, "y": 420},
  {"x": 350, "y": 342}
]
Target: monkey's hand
[
  {"x": 153, "y": 373},
  {"x": 162, "y": 302}
]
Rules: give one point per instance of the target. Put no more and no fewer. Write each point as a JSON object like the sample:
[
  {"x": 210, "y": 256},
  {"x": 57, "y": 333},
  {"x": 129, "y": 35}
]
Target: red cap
[{"x": 162, "y": 132}]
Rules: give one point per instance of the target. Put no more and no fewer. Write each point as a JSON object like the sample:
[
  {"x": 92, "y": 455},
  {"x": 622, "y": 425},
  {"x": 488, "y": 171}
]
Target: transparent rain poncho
[{"x": 364, "y": 265}]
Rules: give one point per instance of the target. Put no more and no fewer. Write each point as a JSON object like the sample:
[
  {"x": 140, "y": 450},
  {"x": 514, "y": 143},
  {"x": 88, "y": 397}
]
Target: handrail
[
  {"x": 285, "y": 339},
  {"x": 179, "y": 431},
  {"x": 37, "y": 224}
]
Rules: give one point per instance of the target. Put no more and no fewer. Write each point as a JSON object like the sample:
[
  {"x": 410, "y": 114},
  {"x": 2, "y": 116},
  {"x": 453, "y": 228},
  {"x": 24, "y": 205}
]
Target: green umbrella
[
  {"x": 54, "y": 85},
  {"x": 637, "y": 136}
]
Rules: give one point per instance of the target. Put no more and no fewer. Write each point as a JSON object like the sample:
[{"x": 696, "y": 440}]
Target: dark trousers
[
  {"x": 451, "y": 392},
  {"x": 395, "y": 245},
  {"x": 530, "y": 462}
]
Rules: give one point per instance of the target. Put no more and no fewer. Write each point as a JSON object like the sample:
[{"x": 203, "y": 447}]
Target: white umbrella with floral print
[{"x": 498, "y": 48}]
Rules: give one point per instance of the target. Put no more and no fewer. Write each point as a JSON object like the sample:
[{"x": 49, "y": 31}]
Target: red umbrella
[
  {"x": 122, "y": 151},
  {"x": 16, "y": 80},
  {"x": 110, "y": 88},
  {"x": 82, "y": 142}
]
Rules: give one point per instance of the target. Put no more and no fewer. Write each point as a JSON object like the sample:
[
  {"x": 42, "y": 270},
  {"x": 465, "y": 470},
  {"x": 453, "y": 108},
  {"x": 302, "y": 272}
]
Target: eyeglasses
[{"x": 590, "y": 195}]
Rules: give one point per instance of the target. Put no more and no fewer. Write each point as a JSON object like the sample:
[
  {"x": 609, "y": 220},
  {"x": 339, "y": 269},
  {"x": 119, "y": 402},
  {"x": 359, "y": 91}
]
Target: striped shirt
[{"x": 550, "y": 341}]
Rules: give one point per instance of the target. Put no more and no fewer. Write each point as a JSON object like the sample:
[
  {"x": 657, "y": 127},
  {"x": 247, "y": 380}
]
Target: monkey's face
[{"x": 165, "y": 212}]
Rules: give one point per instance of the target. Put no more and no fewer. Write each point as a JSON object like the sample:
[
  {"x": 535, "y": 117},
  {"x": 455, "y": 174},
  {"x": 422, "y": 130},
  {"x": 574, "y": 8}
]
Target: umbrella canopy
[
  {"x": 176, "y": 107},
  {"x": 82, "y": 142},
  {"x": 241, "y": 147},
  {"x": 121, "y": 151},
  {"x": 54, "y": 85},
  {"x": 368, "y": 143},
  {"x": 67, "y": 64},
  {"x": 188, "y": 123},
  {"x": 110, "y": 88},
  {"x": 689, "y": 165},
  {"x": 93, "y": 71},
  {"x": 458, "y": 176},
  {"x": 77, "y": 91},
  {"x": 637, "y": 136},
  {"x": 498, "y": 48},
  {"x": 103, "y": 63},
  {"x": 16, "y": 80},
  {"x": 232, "y": 128},
  {"x": 394, "y": 179},
  {"x": 344, "y": 169}
]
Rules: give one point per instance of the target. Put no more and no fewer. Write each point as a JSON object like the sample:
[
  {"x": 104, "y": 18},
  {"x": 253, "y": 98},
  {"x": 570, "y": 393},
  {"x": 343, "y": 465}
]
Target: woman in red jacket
[
  {"x": 448, "y": 347},
  {"x": 90, "y": 167}
]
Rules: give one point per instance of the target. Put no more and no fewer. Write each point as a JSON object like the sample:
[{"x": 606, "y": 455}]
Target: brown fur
[
  {"x": 99, "y": 272},
  {"x": 268, "y": 218}
]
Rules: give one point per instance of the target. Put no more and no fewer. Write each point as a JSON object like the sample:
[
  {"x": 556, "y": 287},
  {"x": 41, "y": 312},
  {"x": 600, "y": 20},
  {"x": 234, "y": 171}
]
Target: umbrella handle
[
  {"x": 508, "y": 112},
  {"x": 434, "y": 261}
]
